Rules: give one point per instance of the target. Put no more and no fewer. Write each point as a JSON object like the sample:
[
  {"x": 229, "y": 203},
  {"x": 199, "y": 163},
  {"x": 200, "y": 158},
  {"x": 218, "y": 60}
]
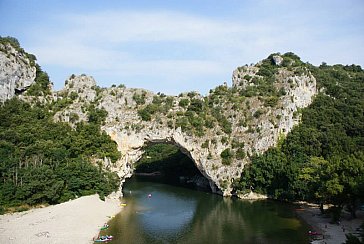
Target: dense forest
[{"x": 47, "y": 162}]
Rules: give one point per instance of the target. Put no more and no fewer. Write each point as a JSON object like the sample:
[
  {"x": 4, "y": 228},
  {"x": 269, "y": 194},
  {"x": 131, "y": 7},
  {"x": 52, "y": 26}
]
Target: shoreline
[
  {"x": 75, "y": 221},
  {"x": 329, "y": 233}
]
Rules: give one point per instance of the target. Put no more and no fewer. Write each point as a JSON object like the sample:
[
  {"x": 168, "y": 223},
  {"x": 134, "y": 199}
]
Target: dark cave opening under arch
[{"x": 167, "y": 163}]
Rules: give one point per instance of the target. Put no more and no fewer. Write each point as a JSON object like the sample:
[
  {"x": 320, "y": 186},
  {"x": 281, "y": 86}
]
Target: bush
[
  {"x": 147, "y": 112},
  {"x": 139, "y": 98},
  {"x": 271, "y": 101},
  {"x": 258, "y": 113},
  {"x": 96, "y": 115},
  {"x": 184, "y": 102},
  {"x": 73, "y": 95},
  {"x": 240, "y": 153},
  {"x": 227, "y": 156},
  {"x": 196, "y": 105},
  {"x": 40, "y": 87},
  {"x": 144, "y": 114}
]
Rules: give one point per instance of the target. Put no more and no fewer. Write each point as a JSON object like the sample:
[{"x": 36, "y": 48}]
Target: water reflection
[
  {"x": 179, "y": 215},
  {"x": 165, "y": 212}
]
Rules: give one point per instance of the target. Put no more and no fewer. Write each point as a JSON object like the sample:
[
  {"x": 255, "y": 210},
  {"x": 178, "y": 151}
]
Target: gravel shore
[
  {"x": 75, "y": 221},
  {"x": 330, "y": 233}
]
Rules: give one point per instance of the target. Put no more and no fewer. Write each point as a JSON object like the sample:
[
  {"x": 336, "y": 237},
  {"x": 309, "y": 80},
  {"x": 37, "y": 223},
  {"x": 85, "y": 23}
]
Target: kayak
[
  {"x": 104, "y": 238},
  {"x": 123, "y": 204}
]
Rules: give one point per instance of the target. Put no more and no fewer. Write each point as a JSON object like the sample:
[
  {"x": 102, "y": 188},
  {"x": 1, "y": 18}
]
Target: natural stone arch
[
  {"x": 131, "y": 146},
  {"x": 130, "y": 130}
]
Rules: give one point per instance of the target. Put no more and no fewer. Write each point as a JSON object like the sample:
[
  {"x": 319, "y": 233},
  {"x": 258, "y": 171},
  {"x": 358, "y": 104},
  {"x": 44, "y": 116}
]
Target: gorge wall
[{"x": 219, "y": 132}]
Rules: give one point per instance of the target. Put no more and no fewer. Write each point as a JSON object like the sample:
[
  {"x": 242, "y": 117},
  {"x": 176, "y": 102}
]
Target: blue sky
[{"x": 177, "y": 46}]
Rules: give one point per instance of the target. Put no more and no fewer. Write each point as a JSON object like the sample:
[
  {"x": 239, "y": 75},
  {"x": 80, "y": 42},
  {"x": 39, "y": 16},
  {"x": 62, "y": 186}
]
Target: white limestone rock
[
  {"x": 16, "y": 72},
  {"x": 277, "y": 60}
]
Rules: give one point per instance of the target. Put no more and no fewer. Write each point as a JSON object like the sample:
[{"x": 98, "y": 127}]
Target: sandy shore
[
  {"x": 76, "y": 221},
  {"x": 331, "y": 233}
]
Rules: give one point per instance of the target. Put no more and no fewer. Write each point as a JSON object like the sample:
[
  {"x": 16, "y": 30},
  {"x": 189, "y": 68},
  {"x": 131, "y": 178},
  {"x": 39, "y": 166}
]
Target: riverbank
[
  {"x": 75, "y": 221},
  {"x": 329, "y": 233}
]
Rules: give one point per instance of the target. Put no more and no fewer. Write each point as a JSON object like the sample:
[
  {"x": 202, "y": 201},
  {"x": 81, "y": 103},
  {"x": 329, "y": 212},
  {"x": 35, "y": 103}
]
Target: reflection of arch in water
[
  {"x": 205, "y": 218},
  {"x": 245, "y": 222},
  {"x": 176, "y": 216},
  {"x": 165, "y": 216}
]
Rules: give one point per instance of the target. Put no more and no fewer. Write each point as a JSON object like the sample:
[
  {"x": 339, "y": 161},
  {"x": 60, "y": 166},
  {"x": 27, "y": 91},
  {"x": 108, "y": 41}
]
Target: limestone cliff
[
  {"x": 219, "y": 132},
  {"x": 17, "y": 72}
]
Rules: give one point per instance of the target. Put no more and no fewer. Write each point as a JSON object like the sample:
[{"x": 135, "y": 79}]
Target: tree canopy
[{"x": 47, "y": 162}]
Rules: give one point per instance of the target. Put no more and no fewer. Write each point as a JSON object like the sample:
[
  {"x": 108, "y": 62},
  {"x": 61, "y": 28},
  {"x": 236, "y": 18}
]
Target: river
[{"x": 172, "y": 214}]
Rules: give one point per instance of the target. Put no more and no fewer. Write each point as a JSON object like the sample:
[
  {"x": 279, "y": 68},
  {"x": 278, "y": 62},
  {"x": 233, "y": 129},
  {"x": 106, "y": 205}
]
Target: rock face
[
  {"x": 255, "y": 122},
  {"x": 277, "y": 60},
  {"x": 16, "y": 72},
  {"x": 219, "y": 132}
]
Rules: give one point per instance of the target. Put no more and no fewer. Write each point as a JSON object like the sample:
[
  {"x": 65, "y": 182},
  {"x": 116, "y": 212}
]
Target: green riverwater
[{"x": 180, "y": 215}]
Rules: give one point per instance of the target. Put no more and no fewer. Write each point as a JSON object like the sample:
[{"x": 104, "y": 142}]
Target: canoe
[{"x": 104, "y": 238}]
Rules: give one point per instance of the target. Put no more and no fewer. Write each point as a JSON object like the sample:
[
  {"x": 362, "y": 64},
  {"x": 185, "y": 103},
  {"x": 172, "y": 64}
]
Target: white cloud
[{"x": 108, "y": 42}]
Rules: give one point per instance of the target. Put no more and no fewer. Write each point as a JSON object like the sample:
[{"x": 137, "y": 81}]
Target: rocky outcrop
[
  {"x": 277, "y": 60},
  {"x": 16, "y": 72},
  {"x": 251, "y": 196},
  {"x": 256, "y": 122}
]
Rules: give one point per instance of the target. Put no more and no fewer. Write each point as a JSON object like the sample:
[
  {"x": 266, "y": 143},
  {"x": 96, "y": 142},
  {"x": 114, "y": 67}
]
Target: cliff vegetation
[{"x": 321, "y": 159}]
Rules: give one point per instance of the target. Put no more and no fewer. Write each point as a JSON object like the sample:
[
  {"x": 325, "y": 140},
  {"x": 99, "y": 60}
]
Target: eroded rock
[{"x": 16, "y": 72}]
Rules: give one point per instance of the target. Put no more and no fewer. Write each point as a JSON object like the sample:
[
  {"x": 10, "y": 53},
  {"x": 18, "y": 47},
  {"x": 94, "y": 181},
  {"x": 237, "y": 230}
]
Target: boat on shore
[{"x": 104, "y": 238}]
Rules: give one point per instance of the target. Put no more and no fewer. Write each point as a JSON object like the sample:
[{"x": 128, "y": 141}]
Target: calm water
[{"x": 179, "y": 215}]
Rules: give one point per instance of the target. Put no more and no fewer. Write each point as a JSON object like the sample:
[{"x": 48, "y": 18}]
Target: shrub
[
  {"x": 227, "y": 156},
  {"x": 271, "y": 101},
  {"x": 196, "y": 105},
  {"x": 240, "y": 153},
  {"x": 258, "y": 113},
  {"x": 205, "y": 144},
  {"x": 73, "y": 95},
  {"x": 139, "y": 98},
  {"x": 184, "y": 102},
  {"x": 74, "y": 117},
  {"x": 144, "y": 114}
]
